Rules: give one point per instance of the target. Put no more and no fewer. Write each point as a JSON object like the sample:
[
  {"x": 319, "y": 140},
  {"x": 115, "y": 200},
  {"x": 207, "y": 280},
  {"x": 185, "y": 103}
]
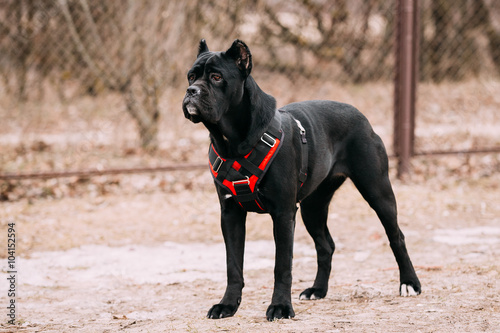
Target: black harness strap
[{"x": 304, "y": 155}]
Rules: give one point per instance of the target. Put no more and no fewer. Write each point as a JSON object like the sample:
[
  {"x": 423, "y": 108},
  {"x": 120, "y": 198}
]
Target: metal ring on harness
[
  {"x": 217, "y": 164},
  {"x": 268, "y": 140},
  {"x": 242, "y": 181}
]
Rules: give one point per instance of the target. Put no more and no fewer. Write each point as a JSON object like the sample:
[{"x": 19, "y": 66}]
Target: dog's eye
[
  {"x": 216, "y": 77},
  {"x": 191, "y": 77}
]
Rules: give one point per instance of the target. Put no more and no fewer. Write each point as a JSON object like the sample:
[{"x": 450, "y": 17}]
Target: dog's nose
[{"x": 193, "y": 91}]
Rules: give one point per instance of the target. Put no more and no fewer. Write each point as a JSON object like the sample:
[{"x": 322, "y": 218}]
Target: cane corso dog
[{"x": 305, "y": 151}]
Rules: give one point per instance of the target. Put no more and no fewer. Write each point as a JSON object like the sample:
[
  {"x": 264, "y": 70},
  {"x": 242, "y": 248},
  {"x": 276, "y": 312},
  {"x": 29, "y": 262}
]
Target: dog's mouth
[
  {"x": 197, "y": 110},
  {"x": 191, "y": 112}
]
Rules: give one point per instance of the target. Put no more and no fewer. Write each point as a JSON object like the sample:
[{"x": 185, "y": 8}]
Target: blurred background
[{"x": 97, "y": 85}]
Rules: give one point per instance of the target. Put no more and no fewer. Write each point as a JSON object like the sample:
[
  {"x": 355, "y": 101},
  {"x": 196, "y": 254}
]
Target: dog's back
[
  {"x": 336, "y": 120},
  {"x": 339, "y": 135}
]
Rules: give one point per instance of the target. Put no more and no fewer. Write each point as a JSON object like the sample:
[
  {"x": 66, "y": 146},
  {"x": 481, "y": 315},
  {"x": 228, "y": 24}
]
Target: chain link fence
[
  {"x": 83, "y": 78},
  {"x": 459, "y": 39},
  {"x": 459, "y": 68}
]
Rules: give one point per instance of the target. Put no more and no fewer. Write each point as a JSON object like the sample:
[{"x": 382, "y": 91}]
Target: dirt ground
[
  {"x": 153, "y": 261},
  {"x": 144, "y": 253}
]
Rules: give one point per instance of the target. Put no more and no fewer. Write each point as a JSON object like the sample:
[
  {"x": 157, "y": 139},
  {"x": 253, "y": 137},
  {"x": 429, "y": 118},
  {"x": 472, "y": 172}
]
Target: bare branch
[
  {"x": 92, "y": 65},
  {"x": 98, "y": 45}
]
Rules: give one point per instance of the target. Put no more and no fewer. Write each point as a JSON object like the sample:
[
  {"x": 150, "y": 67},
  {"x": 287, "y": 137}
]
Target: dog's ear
[
  {"x": 202, "y": 48},
  {"x": 240, "y": 52}
]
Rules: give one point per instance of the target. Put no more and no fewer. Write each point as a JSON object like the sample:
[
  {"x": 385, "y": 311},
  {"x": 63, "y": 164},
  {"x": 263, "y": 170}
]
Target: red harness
[{"x": 242, "y": 175}]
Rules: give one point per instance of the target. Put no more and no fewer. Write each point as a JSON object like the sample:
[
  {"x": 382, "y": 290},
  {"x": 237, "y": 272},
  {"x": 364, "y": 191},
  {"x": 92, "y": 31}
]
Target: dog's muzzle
[{"x": 192, "y": 94}]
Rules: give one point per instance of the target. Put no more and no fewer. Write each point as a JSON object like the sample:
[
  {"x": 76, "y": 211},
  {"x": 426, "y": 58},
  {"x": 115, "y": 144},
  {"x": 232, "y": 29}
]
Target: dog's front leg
[
  {"x": 281, "y": 304},
  {"x": 233, "y": 229}
]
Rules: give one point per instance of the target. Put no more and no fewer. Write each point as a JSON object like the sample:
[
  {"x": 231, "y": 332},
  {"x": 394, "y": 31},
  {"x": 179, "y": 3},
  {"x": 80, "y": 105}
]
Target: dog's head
[{"x": 216, "y": 82}]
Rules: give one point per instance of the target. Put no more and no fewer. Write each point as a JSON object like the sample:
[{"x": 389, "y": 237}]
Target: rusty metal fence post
[{"x": 405, "y": 82}]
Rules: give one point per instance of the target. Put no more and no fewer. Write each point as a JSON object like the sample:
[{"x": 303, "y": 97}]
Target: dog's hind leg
[
  {"x": 314, "y": 211},
  {"x": 369, "y": 173}
]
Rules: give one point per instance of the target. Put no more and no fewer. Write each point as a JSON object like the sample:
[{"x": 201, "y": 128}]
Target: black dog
[{"x": 268, "y": 160}]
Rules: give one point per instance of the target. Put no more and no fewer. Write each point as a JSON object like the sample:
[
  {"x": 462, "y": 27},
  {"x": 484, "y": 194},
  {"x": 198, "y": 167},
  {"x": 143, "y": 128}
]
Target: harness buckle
[
  {"x": 217, "y": 164},
  {"x": 302, "y": 131},
  {"x": 268, "y": 140},
  {"x": 242, "y": 181}
]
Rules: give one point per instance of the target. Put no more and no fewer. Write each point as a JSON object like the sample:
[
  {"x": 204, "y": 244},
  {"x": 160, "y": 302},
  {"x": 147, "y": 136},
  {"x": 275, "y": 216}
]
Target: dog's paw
[
  {"x": 408, "y": 290},
  {"x": 312, "y": 294},
  {"x": 221, "y": 311},
  {"x": 279, "y": 311}
]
